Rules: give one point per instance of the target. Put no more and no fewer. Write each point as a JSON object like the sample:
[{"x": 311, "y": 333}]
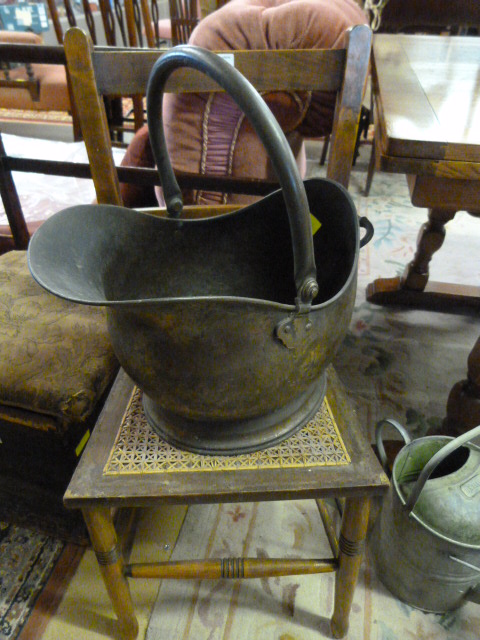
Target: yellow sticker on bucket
[{"x": 316, "y": 224}]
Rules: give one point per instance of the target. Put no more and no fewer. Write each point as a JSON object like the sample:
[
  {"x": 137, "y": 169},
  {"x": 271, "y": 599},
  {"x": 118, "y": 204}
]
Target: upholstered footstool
[{"x": 56, "y": 366}]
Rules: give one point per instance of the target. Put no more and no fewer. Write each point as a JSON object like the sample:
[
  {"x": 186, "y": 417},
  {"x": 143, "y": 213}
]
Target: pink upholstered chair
[
  {"x": 40, "y": 87},
  {"x": 206, "y": 133}
]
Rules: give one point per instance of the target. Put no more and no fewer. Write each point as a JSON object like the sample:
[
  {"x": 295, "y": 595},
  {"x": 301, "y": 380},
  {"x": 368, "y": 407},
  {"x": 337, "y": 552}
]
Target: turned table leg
[
  {"x": 352, "y": 541},
  {"x": 463, "y": 405},
  {"x": 413, "y": 288},
  {"x": 105, "y": 544},
  {"x": 430, "y": 239}
]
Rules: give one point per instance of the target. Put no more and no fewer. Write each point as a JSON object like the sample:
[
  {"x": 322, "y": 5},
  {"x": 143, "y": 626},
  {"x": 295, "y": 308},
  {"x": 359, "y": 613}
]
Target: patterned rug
[
  {"x": 286, "y": 608},
  {"x": 34, "y": 571},
  {"x": 21, "y": 115}
]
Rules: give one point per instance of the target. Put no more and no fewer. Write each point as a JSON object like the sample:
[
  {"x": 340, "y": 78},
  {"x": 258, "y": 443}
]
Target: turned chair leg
[
  {"x": 351, "y": 546},
  {"x": 105, "y": 544}
]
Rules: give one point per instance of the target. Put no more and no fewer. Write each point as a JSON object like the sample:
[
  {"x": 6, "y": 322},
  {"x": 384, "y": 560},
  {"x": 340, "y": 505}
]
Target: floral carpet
[
  {"x": 286, "y": 608},
  {"x": 27, "y": 559}
]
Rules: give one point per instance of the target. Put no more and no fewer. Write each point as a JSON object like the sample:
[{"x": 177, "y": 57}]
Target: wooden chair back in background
[
  {"x": 123, "y": 26},
  {"x": 97, "y": 73}
]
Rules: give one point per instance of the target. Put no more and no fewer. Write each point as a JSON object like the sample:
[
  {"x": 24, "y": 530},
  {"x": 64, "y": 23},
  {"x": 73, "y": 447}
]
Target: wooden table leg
[
  {"x": 430, "y": 239},
  {"x": 352, "y": 541},
  {"x": 413, "y": 288},
  {"x": 105, "y": 544},
  {"x": 463, "y": 405}
]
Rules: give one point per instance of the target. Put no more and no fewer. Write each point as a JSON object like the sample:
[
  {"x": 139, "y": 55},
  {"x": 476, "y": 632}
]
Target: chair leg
[
  {"x": 371, "y": 171},
  {"x": 11, "y": 203},
  {"x": 110, "y": 560},
  {"x": 323, "y": 157},
  {"x": 352, "y": 541}
]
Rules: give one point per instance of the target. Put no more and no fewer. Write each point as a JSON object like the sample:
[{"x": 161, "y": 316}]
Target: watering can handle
[
  {"x": 379, "y": 439},
  {"x": 434, "y": 462},
  {"x": 268, "y": 130}
]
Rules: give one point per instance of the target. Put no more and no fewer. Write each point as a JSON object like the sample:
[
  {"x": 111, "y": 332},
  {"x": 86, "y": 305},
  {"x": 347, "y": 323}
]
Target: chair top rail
[
  {"x": 118, "y": 70},
  {"x": 126, "y": 72},
  {"x": 139, "y": 175}
]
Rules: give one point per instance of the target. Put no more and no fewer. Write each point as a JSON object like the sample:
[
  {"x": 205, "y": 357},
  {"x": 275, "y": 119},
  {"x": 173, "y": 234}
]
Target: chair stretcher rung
[{"x": 229, "y": 568}]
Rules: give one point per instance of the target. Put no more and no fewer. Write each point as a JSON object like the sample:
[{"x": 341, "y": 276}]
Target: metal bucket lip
[
  {"x": 224, "y": 300},
  {"x": 146, "y": 302},
  {"x": 413, "y": 515}
]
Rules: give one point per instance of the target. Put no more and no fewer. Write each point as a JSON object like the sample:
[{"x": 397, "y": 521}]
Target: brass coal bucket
[{"x": 213, "y": 318}]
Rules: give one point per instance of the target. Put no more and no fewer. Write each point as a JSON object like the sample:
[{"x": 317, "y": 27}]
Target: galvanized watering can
[
  {"x": 214, "y": 318},
  {"x": 426, "y": 540}
]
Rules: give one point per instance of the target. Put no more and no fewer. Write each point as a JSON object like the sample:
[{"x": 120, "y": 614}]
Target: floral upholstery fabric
[{"x": 55, "y": 356}]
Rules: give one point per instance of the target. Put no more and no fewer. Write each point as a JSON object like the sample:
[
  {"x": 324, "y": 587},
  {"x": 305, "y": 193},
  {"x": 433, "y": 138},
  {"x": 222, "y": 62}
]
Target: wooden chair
[
  {"x": 122, "y": 27},
  {"x": 50, "y": 390},
  {"x": 49, "y": 400},
  {"x": 184, "y": 15},
  {"x": 17, "y": 235},
  {"x": 37, "y": 84},
  {"x": 97, "y": 73},
  {"x": 32, "y": 83}
]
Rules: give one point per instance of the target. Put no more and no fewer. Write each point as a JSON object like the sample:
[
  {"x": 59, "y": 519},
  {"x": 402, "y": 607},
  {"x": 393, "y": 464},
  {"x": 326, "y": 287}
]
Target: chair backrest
[
  {"x": 117, "y": 21},
  {"x": 98, "y": 72},
  {"x": 185, "y": 16},
  {"x": 20, "y": 235},
  {"x": 122, "y": 24}
]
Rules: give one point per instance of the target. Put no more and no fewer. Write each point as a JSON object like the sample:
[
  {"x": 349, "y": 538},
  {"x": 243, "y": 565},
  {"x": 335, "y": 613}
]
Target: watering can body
[
  {"x": 426, "y": 540},
  {"x": 225, "y": 323}
]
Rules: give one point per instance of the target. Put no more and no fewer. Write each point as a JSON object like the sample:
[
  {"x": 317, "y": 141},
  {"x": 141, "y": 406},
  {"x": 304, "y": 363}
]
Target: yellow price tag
[
  {"x": 82, "y": 443},
  {"x": 316, "y": 224}
]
